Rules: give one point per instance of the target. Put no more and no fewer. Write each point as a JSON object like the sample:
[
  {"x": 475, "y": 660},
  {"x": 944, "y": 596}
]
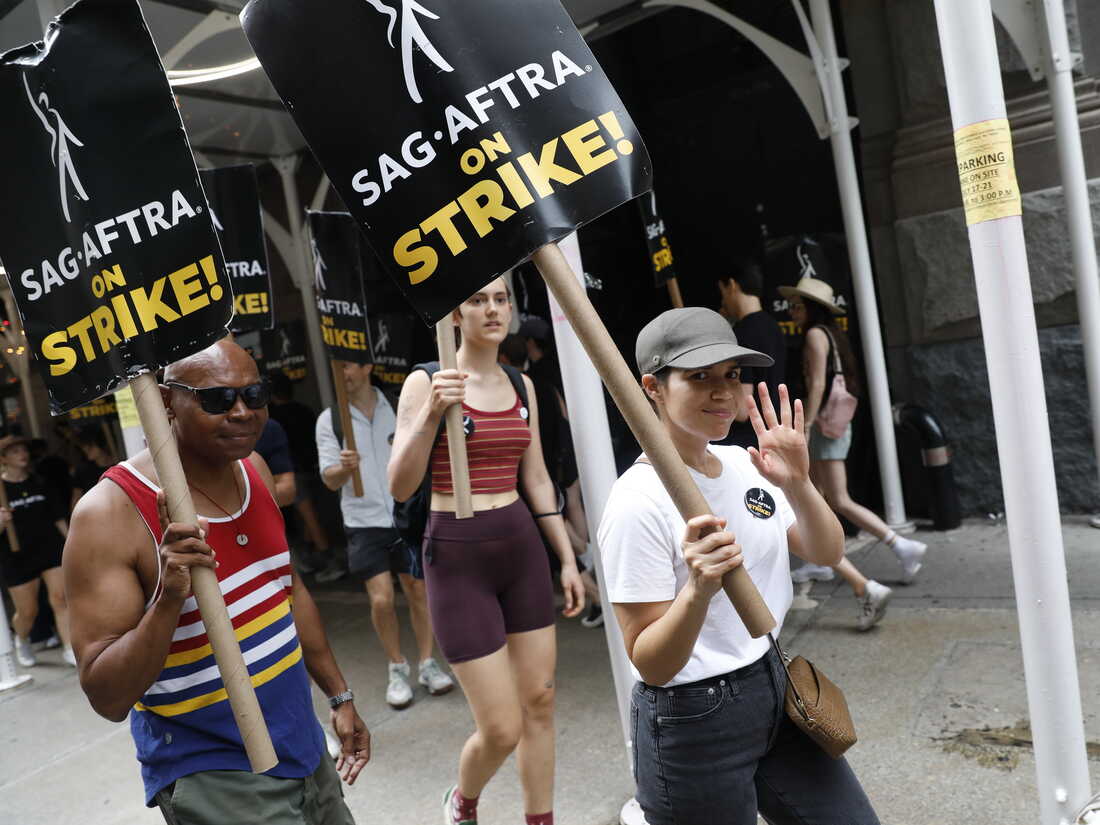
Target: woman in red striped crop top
[{"x": 488, "y": 578}]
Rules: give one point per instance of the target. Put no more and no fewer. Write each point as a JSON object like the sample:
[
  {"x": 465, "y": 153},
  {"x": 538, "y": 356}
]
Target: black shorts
[
  {"x": 28, "y": 564},
  {"x": 376, "y": 550}
]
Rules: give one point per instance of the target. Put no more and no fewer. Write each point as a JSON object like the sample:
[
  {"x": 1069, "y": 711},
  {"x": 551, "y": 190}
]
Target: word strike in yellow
[
  {"x": 131, "y": 313},
  {"x": 541, "y": 174}
]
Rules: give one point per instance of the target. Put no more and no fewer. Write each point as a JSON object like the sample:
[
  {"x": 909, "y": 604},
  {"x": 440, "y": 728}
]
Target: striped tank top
[
  {"x": 494, "y": 450},
  {"x": 183, "y": 724}
]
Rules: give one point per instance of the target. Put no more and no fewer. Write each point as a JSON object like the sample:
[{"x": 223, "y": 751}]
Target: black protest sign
[
  {"x": 790, "y": 259},
  {"x": 105, "y": 234},
  {"x": 462, "y": 136},
  {"x": 338, "y": 280},
  {"x": 392, "y": 324},
  {"x": 283, "y": 349},
  {"x": 104, "y": 231},
  {"x": 660, "y": 252},
  {"x": 234, "y": 201}
]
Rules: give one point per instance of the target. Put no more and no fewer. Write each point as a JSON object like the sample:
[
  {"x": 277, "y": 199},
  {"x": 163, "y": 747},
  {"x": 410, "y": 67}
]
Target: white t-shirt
[{"x": 640, "y": 537}]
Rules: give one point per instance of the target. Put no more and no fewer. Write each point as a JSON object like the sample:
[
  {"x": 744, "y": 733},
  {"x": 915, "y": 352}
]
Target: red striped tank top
[{"x": 494, "y": 450}]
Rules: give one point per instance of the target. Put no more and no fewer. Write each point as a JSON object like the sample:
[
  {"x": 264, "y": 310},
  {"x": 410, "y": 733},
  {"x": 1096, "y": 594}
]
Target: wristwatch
[{"x": 340, "y": 698}]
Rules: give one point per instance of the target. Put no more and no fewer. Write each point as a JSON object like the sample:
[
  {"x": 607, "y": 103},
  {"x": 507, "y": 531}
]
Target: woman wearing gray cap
[
  {"x": 825, "y": 354},
  {"x": 712, "y": 743}
]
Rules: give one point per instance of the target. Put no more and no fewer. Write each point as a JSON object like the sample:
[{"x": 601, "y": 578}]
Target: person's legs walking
[
  {"x": 25, "y": 598},
  {"x": 383, "y": 616},
  {"x": 55, "y": 587},
  {"x": 533, "y": 658}
]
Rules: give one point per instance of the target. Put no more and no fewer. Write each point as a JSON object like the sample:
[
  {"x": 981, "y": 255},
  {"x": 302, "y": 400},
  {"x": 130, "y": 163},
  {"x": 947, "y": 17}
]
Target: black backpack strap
[{"x": 520, "y": 386}]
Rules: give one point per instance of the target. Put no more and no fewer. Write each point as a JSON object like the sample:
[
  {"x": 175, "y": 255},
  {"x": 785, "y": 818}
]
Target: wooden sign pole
[
  {"x": 456, "y": 435},
  {"x": 674, "y": 292},
  {"x": 204, "y": 582},
  {"x": 646, "y": 427},
  {"x": 344, "y": 411},
  {"x": 13, "y": 540}
]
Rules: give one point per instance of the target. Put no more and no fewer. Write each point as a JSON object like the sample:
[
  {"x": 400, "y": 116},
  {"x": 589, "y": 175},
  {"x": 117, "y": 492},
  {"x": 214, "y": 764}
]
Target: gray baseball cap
[{"x": 689, "y": 338}]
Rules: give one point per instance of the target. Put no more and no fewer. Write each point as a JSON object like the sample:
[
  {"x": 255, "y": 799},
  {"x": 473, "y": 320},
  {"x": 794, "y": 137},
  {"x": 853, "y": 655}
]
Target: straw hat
[
  {"x": 813, "y": 289},
  {"x": 9, "y": 441}
]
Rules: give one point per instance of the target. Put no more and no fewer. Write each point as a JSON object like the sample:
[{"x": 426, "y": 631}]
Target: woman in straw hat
[{"x": 825, "y": 355}]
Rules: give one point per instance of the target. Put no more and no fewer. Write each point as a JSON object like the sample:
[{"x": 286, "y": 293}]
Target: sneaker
[
  {"x": 23, "y": 653},
  {"x": 47, "y": 644},
  {"x": 434, "y": 679},
  {"x": 910, "y": 554},
  {"x": 872, "y": 604},
  {"x": 398, "y": 693},
  {"x": 450, "y": 817},
  {"x": 594, "y": 617},
  {"x": 331, "y": 573},
  {"x": 812, "y": 572},
  {"x": 1094, "y": 521},
  {"x": 68, "y": 657}
]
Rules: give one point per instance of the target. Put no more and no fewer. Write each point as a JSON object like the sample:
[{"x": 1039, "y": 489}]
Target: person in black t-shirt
[
  {"x": 741, "y": 290},
  {"x": 274, "y": 447},
  {"x": 40, "y": 529}
]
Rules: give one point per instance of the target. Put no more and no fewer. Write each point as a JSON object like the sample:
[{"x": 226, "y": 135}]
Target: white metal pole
[
  {"x": 591, "y": 432},
  {"x": 286, "y": 168},
  {"x": 1071, "y": 158},
  {"x": 983, "y": 145},
  {"x": 9, "y": 676},
  {"x": 859, "y": 254},
  {"x": 595, "y": 463}
]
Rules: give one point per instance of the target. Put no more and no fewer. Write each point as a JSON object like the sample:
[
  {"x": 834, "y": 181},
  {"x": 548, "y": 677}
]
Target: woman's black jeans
[{"x": 717, "y": 751}]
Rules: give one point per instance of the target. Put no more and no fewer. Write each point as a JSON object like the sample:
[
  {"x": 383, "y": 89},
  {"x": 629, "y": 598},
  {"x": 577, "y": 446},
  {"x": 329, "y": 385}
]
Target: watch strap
[{"x": 340, "y": 698}]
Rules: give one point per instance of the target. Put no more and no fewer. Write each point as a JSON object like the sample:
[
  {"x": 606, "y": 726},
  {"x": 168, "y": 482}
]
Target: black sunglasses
[{"x": 220, "y": 400}]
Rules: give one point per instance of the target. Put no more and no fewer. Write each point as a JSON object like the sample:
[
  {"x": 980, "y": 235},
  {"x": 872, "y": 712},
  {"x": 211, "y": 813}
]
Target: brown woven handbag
[{"x": 816, "y": 705}]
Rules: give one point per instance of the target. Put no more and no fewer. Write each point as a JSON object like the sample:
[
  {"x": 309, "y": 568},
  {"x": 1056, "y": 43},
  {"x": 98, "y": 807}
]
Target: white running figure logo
[
  {"x": 411, "y": 33},
  {"x": 808, "y": 270},
  {"x": 383, "y": 336},
  {"x": 214, "y": 218},
  {"x": 319, "y": 267},
  {"x": 61, "y": 137}
]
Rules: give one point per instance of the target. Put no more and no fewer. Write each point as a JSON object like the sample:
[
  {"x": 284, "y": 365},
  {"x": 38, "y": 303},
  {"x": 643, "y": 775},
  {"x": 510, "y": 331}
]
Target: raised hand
[{"x": 782, "y": 457}]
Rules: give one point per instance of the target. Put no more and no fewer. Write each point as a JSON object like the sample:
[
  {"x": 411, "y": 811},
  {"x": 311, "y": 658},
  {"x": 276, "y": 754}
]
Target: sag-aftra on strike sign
[
  {"x": 104, "y": 228},
  {"x": 461, "y": 135}
]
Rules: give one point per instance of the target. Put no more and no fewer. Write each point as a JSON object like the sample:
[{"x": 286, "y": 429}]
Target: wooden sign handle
[
  {"x": 674, "y": 292},
  {"x": 204, "y": 582},
  {"x": 645, "y": 425},
  {"x": 13, "y": 540},
  {"x": 342, "y": 408},
  {"x": 456, "y": 434}
]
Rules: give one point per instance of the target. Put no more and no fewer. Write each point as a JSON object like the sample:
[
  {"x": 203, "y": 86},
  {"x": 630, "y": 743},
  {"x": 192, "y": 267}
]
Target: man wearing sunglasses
[{"x": 141, "y": 644}]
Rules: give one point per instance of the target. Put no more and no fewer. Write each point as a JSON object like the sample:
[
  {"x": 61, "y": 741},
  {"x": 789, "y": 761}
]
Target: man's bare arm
[{"x": 121, "y": 647}]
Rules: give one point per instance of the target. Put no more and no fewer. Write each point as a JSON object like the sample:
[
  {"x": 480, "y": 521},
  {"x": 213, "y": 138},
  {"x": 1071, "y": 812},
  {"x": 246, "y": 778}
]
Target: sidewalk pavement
[{"x": 936, "y": 691}]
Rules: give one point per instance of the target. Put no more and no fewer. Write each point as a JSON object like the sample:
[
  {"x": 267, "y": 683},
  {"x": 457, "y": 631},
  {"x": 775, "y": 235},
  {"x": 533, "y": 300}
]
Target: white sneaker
[
  {"x": 434, "y": 679},
  {"x": 68, "y": 657},
  {"x": 23, "y": 653},
  {"x": 872, "y": 604},
  {"x": 911, "y": 555},
  {"x": 398, "y": 693},
  {"x": 814, "y": 572},
  {"x": 594, "y": 617},
  {"x": 1094, "y": 521}
]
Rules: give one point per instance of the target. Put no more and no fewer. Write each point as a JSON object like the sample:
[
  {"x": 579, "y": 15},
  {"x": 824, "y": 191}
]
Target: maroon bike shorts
[{"x": 487, "y": 576}]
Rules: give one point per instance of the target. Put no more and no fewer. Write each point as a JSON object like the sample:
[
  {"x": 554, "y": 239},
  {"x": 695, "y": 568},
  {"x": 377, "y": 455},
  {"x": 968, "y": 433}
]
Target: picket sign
[
  {"x": 643, "y": 422},
  {"x": 456, "y": 434},
  {"x": 674, "y": 295},
  {"x": 100, "y": 184},
  {"x": 340, "y": 385}
]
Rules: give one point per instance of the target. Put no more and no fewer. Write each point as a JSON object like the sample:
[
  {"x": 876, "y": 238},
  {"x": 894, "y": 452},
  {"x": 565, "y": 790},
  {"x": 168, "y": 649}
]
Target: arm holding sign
[
  {"x": 542, "y": 497},
  {"x": 421, "y": 407}
]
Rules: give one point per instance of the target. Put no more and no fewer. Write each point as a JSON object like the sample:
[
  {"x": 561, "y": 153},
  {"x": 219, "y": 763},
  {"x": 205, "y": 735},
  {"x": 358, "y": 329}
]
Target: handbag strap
[
  {"x": 838, "y": 367},
  {"x": 799, "y": 702}
]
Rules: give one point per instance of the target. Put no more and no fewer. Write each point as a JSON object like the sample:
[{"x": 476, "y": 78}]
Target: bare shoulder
[
  {"x": 258, "y": 462},
  {"x": 413, "y": 392},
  {"x": 816, "y": 339},
  {"x": 105, "y": 524}
]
